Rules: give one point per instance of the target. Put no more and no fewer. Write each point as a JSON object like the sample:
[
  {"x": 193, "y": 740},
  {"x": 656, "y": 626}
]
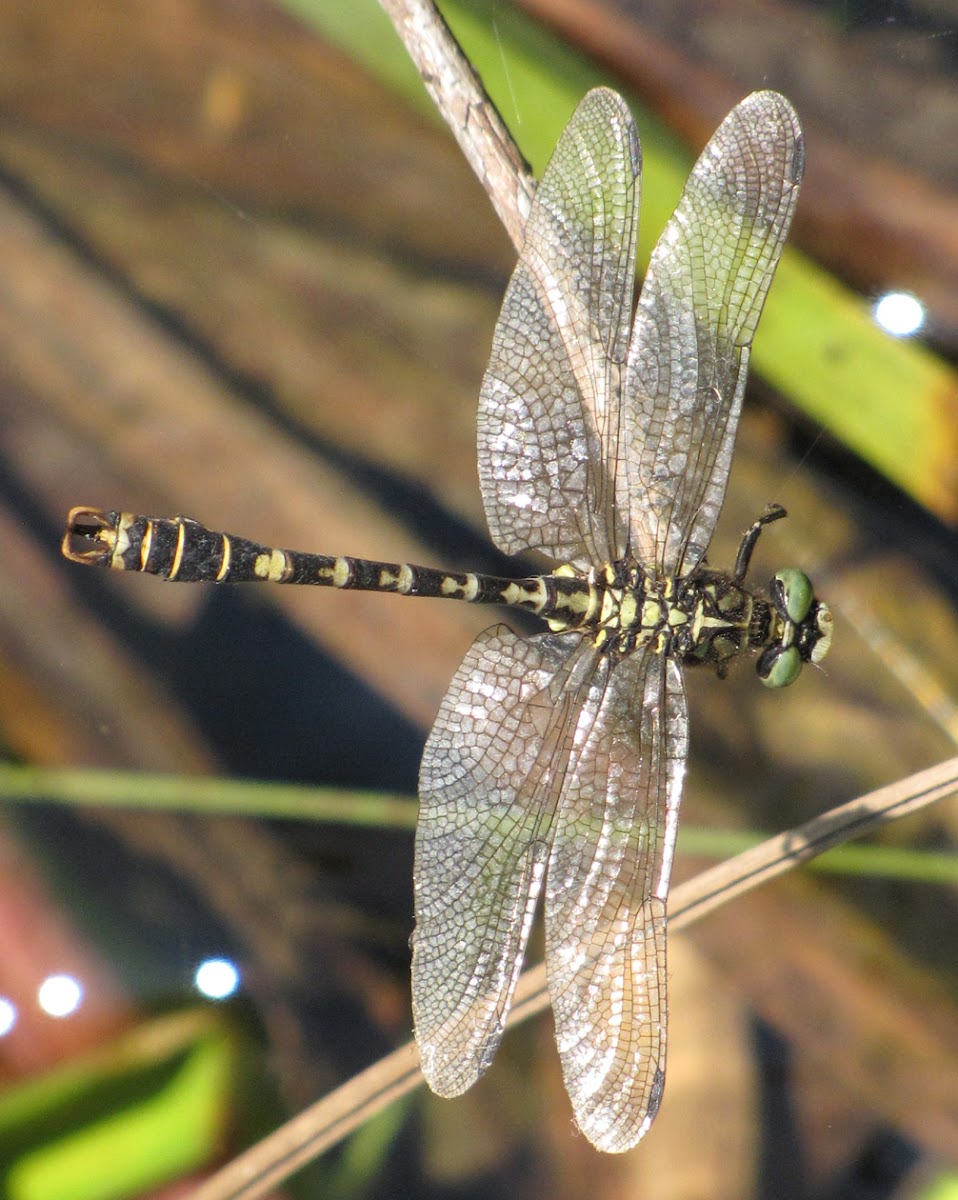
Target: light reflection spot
[
  {"x": 8, "y": 1015},
  {"x": 899, "y": 313},
  {"x": 60, "y": 995},
  {"x": 217, "y": 978}
]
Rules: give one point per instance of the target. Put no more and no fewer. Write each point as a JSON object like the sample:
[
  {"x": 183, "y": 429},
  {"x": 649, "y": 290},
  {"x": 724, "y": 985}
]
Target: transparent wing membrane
[
  {"x": 492, "y": 772},
  {"x": 549, "y": 403},
  {"x": 606, "y": 889},
  {"x": 588, "y": 448},
  {"x": 698, "y": 311}
]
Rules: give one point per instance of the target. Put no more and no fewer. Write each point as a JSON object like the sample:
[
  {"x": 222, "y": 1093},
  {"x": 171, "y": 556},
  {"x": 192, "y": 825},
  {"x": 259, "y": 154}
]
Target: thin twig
[
  {"x": 325, "y": 1123},
  {"x": 467, "y": 110}
]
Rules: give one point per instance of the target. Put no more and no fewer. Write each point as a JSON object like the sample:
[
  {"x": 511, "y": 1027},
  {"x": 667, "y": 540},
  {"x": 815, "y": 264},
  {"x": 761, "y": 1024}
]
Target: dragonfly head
[{"x": 801, "y": 629}]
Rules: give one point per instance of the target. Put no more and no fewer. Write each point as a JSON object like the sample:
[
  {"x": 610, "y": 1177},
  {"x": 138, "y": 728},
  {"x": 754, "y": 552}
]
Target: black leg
[{"x": 774, "y": 512}]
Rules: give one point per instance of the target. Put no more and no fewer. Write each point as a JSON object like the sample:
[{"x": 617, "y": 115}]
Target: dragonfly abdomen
[{"x": 179, "y": 549}]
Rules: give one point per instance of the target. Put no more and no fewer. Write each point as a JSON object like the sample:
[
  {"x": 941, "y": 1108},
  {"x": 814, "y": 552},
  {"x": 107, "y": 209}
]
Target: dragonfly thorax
[
  {"x": 695, "y": 619},
  {"x": 707, "y": 617}
]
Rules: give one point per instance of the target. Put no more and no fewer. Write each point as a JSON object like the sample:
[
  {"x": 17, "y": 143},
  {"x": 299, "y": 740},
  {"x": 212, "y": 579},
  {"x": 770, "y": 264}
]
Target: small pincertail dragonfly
[{"x": 556, "y": 762}]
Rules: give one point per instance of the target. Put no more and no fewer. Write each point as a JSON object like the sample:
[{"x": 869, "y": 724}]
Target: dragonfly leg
[{"x": 774, "y": 512}]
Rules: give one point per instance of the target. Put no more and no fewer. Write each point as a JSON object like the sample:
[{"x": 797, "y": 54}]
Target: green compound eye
[
  {"x": 796, "y": 593},
  {"x": 779, "y": 669}
]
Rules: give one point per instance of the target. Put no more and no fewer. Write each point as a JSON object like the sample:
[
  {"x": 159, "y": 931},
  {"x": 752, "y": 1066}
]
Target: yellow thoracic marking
[
  {"x": 227, "y": 557},
  {"x": 566, "y": 571},
  {"x": 627, "y": 611},
  {"x": 697, "y": 621},
  {"x": 651, "y": 613},
  {"x": 702, "y": 622},
  {"x": 676, "y": 616},
  {"x": 180, "y": 547}
]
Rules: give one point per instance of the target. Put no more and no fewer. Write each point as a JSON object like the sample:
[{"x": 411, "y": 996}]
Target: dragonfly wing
[
  {"x": 606, "y": 892},
  {"x": 491, "y": 774},
  {"x": 697, "y": 314},
  {"x": 549, "y": 405}
]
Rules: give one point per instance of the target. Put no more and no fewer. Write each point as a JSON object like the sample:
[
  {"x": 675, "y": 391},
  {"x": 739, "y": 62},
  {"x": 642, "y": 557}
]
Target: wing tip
[
  {"x": 616, "y": 1136},
  {"x": 451, "y": 1073},
  {"x": 611, "y": 108},
  {"x": 771, "y": 108}
]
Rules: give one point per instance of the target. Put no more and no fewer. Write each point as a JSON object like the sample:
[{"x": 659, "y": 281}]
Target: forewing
[
  {"x": 697, "y": 314},
  {"x": 549, "y": 406},
  {"x": 606, "y": 892},
  {"x": 491, "y": 774}
]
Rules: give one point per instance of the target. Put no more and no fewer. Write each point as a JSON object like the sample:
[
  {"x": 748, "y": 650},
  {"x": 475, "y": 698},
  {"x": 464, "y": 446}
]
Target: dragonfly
[{"x": 553, "y": 774}]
